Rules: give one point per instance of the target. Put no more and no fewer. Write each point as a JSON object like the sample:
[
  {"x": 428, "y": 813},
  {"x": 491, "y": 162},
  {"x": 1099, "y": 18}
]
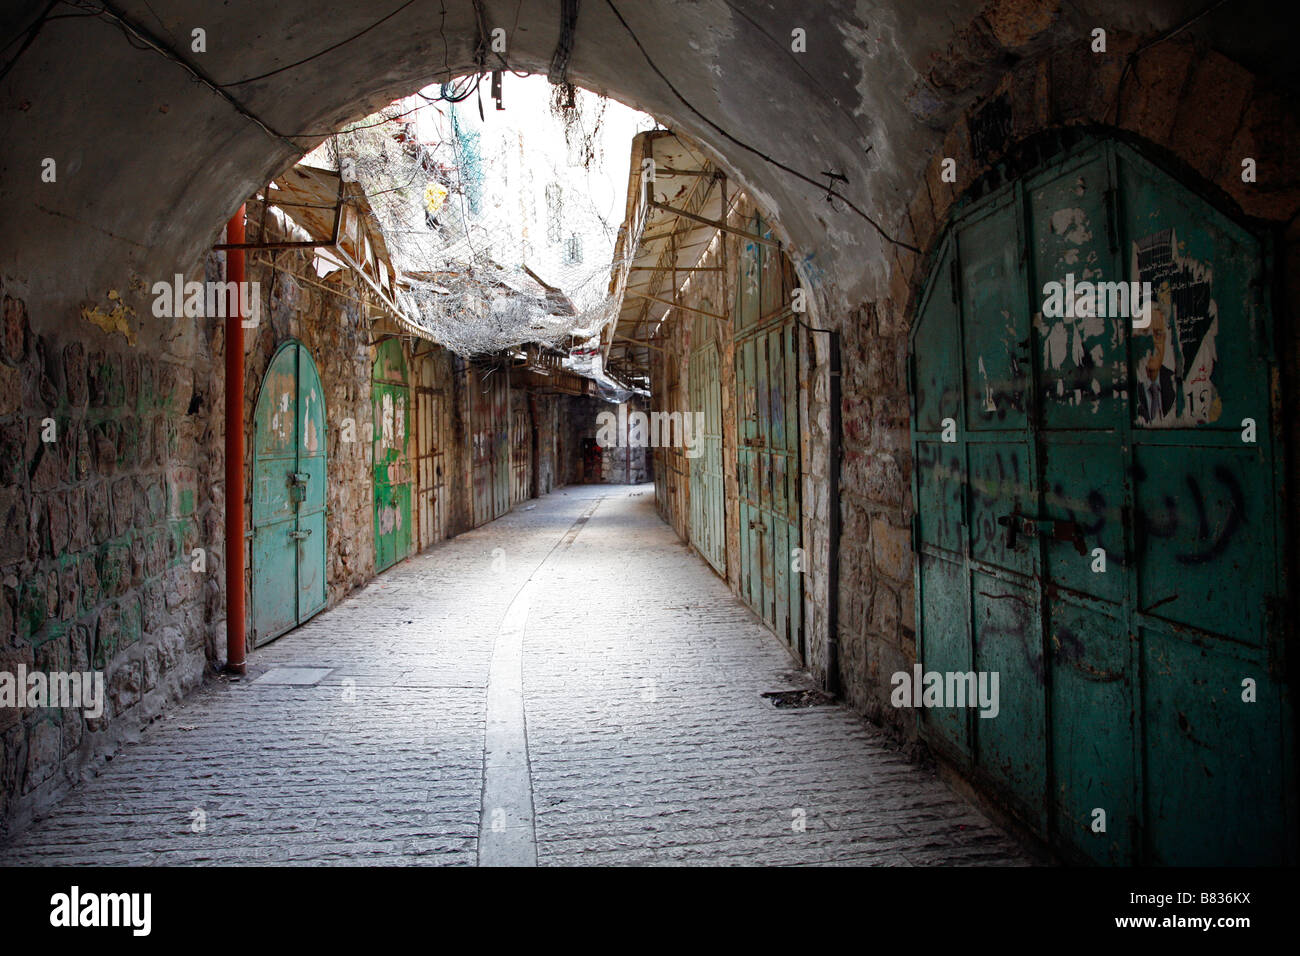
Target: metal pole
[{"x": 236, "y": 643}]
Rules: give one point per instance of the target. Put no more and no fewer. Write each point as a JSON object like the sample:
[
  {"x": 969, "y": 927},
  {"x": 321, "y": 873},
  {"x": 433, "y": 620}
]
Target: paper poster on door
[{"x": 1175, "y": 354}]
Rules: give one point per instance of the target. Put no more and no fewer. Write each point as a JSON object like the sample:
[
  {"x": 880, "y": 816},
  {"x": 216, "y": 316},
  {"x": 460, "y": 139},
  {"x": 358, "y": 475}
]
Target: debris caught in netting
[{"x": 471, "y": 276}]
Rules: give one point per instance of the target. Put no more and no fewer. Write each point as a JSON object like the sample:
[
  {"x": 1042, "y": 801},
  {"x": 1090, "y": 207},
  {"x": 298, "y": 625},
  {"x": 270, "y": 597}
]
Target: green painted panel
[
  {"x": 1092, "y": 742},
  {"x": 1086, "y": 504},
  {"x": 941, "y": 484},
  {"x": 793, "y": 494},
  {"x": 1008, "y": 642},
  {"x": 768, "y": 447},
  {"x": 708, "y": 515},
  {"x": 937, "y": 384},
  {"x": 390, "y": 394},
  {"x": 1091, "y": 434},
  {"x": 749, "y": 297},
  {"x": 1081, "y": 358},
  {"x": 1206, "y": 532},
  {"x": 312, "y": 583},
  {"x": 289, "y": 478},
  {"x": 311, "y": 564},
  {"x": 1001, "y": 489},
  {"x": 275, "y": 575},
  {"x": 995, "y": 321},
  {"x": 944, "y": 644},
  {"x": 1217, "y": 771}
]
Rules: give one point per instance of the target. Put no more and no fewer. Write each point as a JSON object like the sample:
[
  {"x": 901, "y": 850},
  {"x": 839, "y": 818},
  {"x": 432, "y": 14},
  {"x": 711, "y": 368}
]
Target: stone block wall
[
  {"x": 110, "y": 520},
  {"x": 1201, "y": 114}
]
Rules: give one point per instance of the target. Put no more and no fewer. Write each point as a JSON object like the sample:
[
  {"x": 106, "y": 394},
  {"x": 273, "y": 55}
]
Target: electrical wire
[
  {"x": 30, "y": 34},
  {"x": 328, "y": 49},
  {"x": 1159, "y": 38},
  {"x": 830, "y": 191}
]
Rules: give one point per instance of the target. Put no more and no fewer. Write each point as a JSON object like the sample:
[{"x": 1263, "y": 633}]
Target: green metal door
[
  {"x": 708, "y": 512},
  {"x": 390, "y": 394},
  {"x": 1092, "y": 525},
  {"x": 767, "y": 414},
  {"x": 289, "y": 474}
]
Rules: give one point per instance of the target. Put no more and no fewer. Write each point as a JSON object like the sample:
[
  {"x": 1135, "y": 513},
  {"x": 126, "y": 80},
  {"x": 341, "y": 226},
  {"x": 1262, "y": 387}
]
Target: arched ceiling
[{"x": 154, "y": 155}]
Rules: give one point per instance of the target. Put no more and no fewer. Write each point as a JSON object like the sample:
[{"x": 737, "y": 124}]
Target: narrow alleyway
[{"x": 360, "y": 737}]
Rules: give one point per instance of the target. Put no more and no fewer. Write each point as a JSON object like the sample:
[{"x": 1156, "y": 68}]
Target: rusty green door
[
  {"x": 767, "y": 420},
  {"x": 289, "y": 474},
  {"x": 707, "y": 496},
  {"x": 1091, "y": 522},
  {"x": 390, "y": 393}
]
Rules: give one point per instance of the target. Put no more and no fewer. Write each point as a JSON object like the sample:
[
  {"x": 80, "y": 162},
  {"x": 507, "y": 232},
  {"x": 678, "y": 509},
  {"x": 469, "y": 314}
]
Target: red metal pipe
[{"x": 236, "y": 643}]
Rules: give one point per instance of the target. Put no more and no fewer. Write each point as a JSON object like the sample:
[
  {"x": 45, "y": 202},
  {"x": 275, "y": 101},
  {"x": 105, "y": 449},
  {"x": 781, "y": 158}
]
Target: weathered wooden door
[
  {"x": 390, "y": 393},
  {"x": 430, "y": 480},
  {"x": 489, "y": 397},
  {"x": 521, "y": 448},
  {"x": 289, "y": 474},
  {"x": 767, "y": 395},
  {"x": 707, "y": 496},
  {"x": 1097, "y": 516}
]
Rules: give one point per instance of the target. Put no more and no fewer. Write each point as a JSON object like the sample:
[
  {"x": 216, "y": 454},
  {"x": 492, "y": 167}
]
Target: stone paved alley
[{"x": 648, "y": 740}]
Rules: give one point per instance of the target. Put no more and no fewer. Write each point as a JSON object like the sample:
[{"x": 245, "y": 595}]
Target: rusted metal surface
[
  {"x": 1096, "y": 523},
  {"x": 767, "y": 419},
  {"x": 289, "y": 475},
  {"x": 708, "y": 528},
  {"x": 489, "y": 398}
]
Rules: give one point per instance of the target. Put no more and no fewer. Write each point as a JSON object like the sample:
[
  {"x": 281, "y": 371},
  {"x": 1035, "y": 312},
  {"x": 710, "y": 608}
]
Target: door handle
[
  {"x": 299, "y": 535},
  {"x": 1059, "y": 530}
]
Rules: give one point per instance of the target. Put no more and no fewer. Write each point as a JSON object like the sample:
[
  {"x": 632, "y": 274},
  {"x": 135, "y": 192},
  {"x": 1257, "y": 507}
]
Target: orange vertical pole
[{"x": 235, "y": 637}]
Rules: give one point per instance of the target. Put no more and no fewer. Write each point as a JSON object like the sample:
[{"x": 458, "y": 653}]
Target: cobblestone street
[{"x": 568, "y": 684}]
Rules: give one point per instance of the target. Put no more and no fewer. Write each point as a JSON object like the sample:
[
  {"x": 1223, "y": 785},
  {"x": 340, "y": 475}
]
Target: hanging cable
[
  {"x": 752, "y": 149},
  {"x": 328, "y": 49}
]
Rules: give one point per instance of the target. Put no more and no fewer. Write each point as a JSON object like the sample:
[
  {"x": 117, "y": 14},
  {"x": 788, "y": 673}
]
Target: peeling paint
[{"x": 113, "y": 320}]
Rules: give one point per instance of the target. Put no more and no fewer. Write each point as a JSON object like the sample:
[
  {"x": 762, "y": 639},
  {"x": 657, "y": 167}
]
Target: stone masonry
[{"x": 648, "y": 737}]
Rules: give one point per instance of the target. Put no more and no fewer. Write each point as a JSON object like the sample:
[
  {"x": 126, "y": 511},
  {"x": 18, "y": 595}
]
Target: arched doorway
[
  {"x": 1097, "y": 513},
  {"x": 390, "y": 394},
  {"x": 289, "y": 475}
]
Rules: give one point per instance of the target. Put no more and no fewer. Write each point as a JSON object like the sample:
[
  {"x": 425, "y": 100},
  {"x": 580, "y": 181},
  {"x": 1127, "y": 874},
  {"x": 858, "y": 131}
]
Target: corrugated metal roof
[
  {"x": 653, "y": 239},
  {"x": 312, "y": 198}
]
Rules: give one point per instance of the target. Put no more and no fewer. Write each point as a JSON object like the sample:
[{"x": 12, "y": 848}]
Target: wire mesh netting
[{"x": 498, "y": 242}]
